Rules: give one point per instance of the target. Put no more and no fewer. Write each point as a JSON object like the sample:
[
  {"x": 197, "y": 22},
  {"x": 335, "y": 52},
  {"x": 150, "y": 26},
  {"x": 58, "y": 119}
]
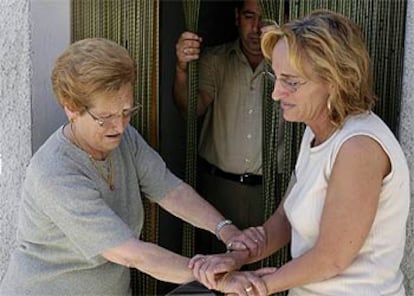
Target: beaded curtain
[{"x": 191, "y": 10}]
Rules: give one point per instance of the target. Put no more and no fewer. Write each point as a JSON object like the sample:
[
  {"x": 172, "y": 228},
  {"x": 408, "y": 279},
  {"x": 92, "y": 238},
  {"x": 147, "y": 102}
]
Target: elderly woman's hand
[{"x": 206, "y": 268}]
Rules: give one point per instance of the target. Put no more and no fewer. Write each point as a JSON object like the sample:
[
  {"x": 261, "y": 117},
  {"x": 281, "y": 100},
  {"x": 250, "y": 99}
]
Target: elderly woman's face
[
  {"x": 301, "y": 99},
  {"x": 102, "y": 125}
]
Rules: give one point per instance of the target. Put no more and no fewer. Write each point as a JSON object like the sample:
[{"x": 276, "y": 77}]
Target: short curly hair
[
  {"x": 334, "y": 46},
  {"x": 88, "y": 67}
]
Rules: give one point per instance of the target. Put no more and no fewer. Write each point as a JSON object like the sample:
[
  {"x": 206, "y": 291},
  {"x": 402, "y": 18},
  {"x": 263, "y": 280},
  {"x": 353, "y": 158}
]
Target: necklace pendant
[{"x": 112, "y": 187}]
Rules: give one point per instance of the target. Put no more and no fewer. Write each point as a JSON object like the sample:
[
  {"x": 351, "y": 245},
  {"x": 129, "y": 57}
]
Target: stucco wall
[
  {"x": 33, "y": 33},
  {"x": 15, "y": 127},
  {"x": 407, "y": 140}
]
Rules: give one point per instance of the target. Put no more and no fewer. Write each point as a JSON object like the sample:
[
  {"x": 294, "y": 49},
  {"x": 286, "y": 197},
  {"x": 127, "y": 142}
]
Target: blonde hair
[
  {"x": 89, "y": 67},
  {"x": 334, "y": 47}
]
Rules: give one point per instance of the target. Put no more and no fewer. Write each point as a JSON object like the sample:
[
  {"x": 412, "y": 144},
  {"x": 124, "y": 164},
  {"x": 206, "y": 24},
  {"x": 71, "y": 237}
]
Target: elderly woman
[
  {"x": 346, "y": 206},
  {"x": 81, "y": 213}
]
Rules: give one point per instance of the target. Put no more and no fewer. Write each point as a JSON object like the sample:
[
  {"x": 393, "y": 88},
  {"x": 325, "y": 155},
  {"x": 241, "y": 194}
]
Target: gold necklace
[{"x": 107, "y": 177}]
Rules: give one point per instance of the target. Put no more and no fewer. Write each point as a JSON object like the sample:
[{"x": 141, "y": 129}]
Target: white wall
[
  {"x": 50, "y": 36},
  {"x": 32, "y": 34}
]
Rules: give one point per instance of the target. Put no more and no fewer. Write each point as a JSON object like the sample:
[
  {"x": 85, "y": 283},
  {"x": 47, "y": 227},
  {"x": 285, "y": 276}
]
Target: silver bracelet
[{"x": 220, "y": 226}]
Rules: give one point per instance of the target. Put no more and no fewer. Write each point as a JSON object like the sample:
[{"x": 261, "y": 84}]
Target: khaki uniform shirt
[{"x": 231, "y": 135}]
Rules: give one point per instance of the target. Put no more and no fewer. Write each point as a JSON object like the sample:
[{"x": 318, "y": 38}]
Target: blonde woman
[{"x": 346, "y": 207}]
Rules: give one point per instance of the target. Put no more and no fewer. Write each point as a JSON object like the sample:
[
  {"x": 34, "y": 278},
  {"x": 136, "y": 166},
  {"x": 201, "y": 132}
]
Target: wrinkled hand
[
  {"x": 187, "y": 49},
  {"x": 245, "y": 283},
  {"x": 206, "y": 268},
  {"x": 252, "y": 239}
]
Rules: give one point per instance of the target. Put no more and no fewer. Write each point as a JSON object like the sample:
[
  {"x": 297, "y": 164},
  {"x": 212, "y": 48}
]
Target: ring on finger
[
  {"x": 248, "y": 289},
  {"x": 229, "y": 245}
]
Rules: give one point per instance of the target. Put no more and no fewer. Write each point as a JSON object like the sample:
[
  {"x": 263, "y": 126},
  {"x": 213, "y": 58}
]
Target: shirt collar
[{"x": 235, "y": 48}]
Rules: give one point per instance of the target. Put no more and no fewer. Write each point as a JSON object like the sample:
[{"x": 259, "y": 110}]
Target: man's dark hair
[{"x": 239, "y": 4}]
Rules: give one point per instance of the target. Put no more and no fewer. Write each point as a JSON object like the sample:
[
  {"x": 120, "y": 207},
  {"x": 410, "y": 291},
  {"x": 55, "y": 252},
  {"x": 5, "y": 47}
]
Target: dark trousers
[
  {"x": 241, "y": 203},
  {"x": 193, "y": 289}
]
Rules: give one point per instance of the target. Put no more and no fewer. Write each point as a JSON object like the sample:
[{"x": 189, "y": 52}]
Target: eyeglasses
[
  {"x": 126, "y": 113},
  {"x": 291, "y": 85}
]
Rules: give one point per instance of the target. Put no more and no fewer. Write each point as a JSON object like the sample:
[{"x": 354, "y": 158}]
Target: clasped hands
[{"x": 219, "y": 271}]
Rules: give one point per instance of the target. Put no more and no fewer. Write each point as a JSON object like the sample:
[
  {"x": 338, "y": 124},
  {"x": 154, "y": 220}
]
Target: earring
[
  {"x": 328, "y": 105},
  {"x": 72, "y": 120}
]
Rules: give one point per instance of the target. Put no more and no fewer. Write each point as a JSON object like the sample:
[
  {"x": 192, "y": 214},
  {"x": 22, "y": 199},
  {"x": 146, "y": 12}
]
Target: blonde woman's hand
[
  {"x": 252, "y": 239},
  {"x": 246, "y": 283}
]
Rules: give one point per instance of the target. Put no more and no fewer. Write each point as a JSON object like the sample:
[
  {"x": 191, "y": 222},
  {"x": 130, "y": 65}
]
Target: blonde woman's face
[{"x": 301, "y": 99}]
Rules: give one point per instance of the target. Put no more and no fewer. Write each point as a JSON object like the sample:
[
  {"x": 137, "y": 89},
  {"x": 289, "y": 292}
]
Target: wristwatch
[{"x": 220, "y": 226}]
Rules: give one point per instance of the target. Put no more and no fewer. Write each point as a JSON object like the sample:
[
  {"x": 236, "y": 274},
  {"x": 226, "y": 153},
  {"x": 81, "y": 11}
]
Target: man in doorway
[{"x": 230, "y": 98}]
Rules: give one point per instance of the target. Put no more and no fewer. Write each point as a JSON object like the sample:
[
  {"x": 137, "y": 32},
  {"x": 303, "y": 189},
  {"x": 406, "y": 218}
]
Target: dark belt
[{"x": 246, "y": 179}]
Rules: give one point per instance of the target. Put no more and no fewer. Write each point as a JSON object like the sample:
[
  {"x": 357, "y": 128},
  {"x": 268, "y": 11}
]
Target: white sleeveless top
[{"x": 375, "y": 271}]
